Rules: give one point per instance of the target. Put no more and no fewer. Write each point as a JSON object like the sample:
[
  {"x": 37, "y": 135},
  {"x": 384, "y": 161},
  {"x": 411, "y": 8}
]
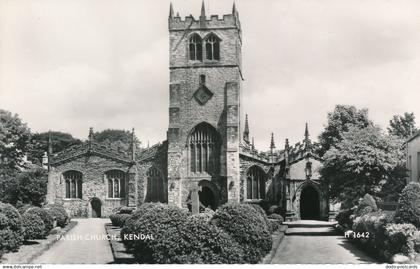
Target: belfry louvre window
[
  {"x": 204, "y": 149},
  {"x": 116, "y": 183},
  {"x": 73, "y": 184},
  {"x": 212, "y": 48},
  {"x": 195, "y": 48},
  {"x": 156, "y": 190},
  {"x": 255, "y": 183}
]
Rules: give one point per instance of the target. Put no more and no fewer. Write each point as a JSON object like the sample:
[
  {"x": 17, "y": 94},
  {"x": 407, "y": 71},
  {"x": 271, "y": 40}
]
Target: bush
[
  {"x": 344, "y": 218},
  {"x": 160, "y": 221},
  {"x": 273, "y": 225},
  {"x": 58, "y": 213},
  {"x": 203, "y": 242},
  {"x": 400, "y": 239},
  {"x": 126, "y": 210},
  {"x": 13, "y": 217},
  {"x": 47, "y": 219},
  {"x": 10, "y": 240},
  {"x": 22, "y": 209},
  {"x": 276, "y": 217},
  {"x": 408, "y": 210},
  {"x": 247, "y": 227},
  {"x": 119, "y": 219},
  {"x": 32, "y": 227},
  {"x": 260, "y": 211},
  {"x": 374, "y": 224},
  {"x": 10, "y": 228},
  {"x": 274, "y": 209}
]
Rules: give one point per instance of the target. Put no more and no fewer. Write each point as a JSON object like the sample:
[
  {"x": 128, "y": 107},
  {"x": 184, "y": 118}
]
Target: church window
[
  {"x": 212, "y": 48},
  {"x": 195, "y": 48},
  {"x": 156, "y": 190},
  {"x": 255, "y": 180},
  {"x": 116, "y": 180},
  {"x": 204, "y": 149},
  {"x": 73, "y": 184}
]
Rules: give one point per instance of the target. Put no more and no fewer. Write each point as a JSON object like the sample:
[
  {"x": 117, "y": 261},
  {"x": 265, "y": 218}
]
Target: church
[{"x": 208, "y": 158}]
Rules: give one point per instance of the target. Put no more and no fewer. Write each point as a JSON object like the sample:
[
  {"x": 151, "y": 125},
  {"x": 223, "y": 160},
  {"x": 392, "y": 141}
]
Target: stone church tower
[{"x": 204, "y": 112}]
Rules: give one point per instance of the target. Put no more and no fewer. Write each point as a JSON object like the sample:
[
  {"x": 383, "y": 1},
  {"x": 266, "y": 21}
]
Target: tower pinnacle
[
  {"x": 171, "y": 11},
  {"x": 246, "y": 130},
  {"x": 234, "y": 8},
  {"x": 272, "y": 145},
  {"x": 203, "y": 10}
]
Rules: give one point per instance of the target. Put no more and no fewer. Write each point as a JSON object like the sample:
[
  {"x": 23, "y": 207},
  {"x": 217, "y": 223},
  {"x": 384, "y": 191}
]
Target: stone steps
[{"x": 310, "y": 228}]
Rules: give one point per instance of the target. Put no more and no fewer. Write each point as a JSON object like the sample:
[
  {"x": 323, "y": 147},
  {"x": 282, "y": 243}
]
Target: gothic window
[
  {"x": 255, "y": 183},
  {"x": 204, "y": 149},
  {"x": 212, "y": 48},
  {"x": 73, "y": 184},
  {"x": 156, "y": 190},
  {"x": 116, "y": 183},
  {"x": 195, "y": 48}
]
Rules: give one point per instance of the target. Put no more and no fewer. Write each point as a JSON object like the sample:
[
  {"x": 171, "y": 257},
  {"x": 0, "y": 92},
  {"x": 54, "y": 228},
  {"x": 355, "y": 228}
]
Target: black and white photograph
[{"x": 139, "y": 132}]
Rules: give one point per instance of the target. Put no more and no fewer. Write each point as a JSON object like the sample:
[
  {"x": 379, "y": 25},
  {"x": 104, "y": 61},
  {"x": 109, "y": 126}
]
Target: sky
[{"x": 67, "y": 65}]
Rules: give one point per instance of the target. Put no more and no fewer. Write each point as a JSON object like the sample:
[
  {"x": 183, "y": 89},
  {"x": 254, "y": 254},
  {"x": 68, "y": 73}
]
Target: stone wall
[{"x": 94, "y": 184}]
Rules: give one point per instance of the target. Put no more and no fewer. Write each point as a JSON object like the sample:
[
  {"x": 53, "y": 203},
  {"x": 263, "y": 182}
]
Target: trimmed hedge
[
  {"x": 247, "y": 227},
  {"x": 32, "y": 226},
  {"x": 273, "y": 225},
  {"x": 47, "y": 219},
  {"x": 276, "y": 217},
  {"x": 119, "y": 219},
  {"x": 203, "y": 242},
  {"x": 58, "y": 213},
  {"x": 10, "y": 228},
  {"x": 163, "y": 223},
  {"x": 408, "y": 211},
  {"x": 400, "y": 238},
  {"x": 260, "y": 211}
]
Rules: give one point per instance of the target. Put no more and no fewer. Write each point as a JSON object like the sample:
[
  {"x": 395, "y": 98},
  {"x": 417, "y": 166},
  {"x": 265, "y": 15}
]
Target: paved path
[
  {"x": 85, "y": 243},
  {"x": 316, "y": 242}
]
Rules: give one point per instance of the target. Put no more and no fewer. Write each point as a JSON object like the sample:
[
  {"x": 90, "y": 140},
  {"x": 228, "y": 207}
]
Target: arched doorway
[
  {"x": 96, "y": 205},
  {"x": 206, "y": 198},
  {"x": 309, "y": 203}
]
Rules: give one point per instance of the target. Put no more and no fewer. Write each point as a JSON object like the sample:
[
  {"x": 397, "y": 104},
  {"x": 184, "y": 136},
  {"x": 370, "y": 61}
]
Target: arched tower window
[
  {"x": 73, "y": 184},
  {"x": 116, "y": 181},
  {"x": 255, "y": 183},
  {"x": 212, "y": 48},
  {"x": 156, "y": 189},
  {"x": 204, "y": 147},
  {"x": 195, "y": 48}
]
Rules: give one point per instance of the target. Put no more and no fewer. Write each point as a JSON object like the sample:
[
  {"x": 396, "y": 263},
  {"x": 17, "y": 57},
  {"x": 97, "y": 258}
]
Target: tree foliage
[
  {"x": 403, "y": 126},
  {"x": 339, "y": 121},
  {"x": 32, "y": 186},
  {"x": 117, "y": 138},
  {"x": 364, "y": 161},
  {"x": 39, "y": 144},
  {"x": 14, "y": 139}
]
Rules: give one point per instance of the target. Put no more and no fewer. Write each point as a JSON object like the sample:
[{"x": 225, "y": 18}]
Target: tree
[
  {"x": 402, "y": 126},
  {"x": 39, "y": 144},
  {"x": 339, "y": 121},
  {"x": 118, "y": 138},
  {"x": 32, "y": 186},
  {"x": 14, "y": 138},
  {"x": 364, "y": 161}
]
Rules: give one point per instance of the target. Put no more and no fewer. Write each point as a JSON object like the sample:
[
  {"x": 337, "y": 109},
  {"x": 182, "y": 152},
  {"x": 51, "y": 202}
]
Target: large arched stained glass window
[
  {"x": 255, "y": 183},
  {"x": 204, "y": 147}
]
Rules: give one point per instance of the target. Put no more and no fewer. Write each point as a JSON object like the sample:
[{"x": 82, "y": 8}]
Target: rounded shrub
[
  {"x": 247, "y": 227},
  {"x": 13, "y": 216},
  {"x": 119, "y": 219},
  {"x": 47, "y": 219},
  {"x": 274, "y": 209},
  {"x": 202, "y": 242},
  {"x": 32, "y": 227},
  {"x": 276, "y": 217},
  {"x": 161, "y": 223},
  {"x": 400, "y": 238},
  {"x": 58, "y": 213},
  {"x": 260, "y": 211},
  {"x": 10, "y": 240},
  {"x": 10, "y": 228},
  {"x": 344, "y": 218},
  {"x": 22, "y": 209},
  {"x": 408, "y": 210}
]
